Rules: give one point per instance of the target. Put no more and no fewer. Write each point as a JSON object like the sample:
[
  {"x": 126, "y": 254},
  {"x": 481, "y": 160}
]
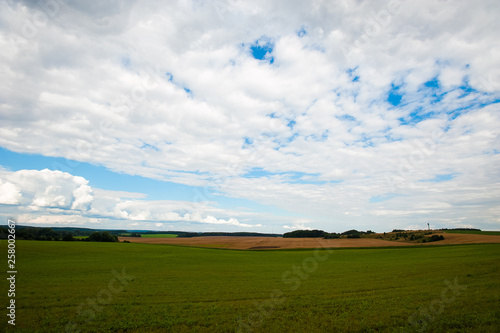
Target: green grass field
[
  {"x": 158, "y": 235},
  {"x": 476, "y": 232},
  {"x": 71, "y": 287}
]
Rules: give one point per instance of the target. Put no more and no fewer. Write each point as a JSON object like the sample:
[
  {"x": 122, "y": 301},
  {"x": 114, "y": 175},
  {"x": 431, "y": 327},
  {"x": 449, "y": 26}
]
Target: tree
[
  {"x": 304, "y": 234},
  {"x": 351, "y": 232},
  {"x": 94, "y": 237},
  {"x": 3, "y": 233},
  {"x": 68, "y": 237},
  {"x": 103, "y": 236},
  {"x": 107, "y": 237},
  {"x": 435, "y": 238}
]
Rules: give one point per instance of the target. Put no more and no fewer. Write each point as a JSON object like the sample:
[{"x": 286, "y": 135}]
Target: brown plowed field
[
  {"x": 263, "y": 243},
  {"x": 466, "y": 239}
]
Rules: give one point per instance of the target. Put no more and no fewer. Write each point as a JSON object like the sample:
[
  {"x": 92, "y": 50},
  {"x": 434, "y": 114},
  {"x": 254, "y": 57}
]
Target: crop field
[
  {"x": 263, "y": 243},
  {"x": 134, "y": 287},
  {"x": 473, "y": 232}
]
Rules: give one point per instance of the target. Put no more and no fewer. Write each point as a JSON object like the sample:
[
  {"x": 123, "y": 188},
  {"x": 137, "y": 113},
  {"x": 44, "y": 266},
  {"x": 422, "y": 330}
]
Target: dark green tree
[{"x": 68, "y": 237}]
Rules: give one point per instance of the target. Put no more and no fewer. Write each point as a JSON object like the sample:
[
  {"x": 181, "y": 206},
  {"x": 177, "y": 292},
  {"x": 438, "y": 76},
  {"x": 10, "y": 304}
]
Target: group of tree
[
  {"x": 353, "y": 233},
  {"x": 34, "y": 233},
  {"x": 327, "y": 235},
  {"x": 304, "y": 234},
  {"x": 132, "y": 234},
  {"x": 102, "y": 236},
  {"x": 49, "y": 234},
  {"x": 417, "y": 236},
  {"x": 435, "y": 238}
]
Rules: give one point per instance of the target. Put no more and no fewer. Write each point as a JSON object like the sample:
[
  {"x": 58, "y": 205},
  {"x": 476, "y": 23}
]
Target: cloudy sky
[{"x": 233, "y": 115}]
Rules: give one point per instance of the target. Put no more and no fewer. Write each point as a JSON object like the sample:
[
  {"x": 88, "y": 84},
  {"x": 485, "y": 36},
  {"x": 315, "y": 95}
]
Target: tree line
[
  {"x": 49, "y": 234},
  {"x": 327, "y": 235}
]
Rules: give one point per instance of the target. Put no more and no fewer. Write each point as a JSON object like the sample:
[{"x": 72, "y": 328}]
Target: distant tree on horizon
[{"x": 103, "y": 236}]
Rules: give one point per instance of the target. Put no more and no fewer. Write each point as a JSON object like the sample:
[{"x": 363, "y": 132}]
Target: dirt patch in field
[{"x": 264, "y": 243}]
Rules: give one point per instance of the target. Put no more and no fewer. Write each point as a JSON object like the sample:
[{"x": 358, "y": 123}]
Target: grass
[
  {"x": 158, "y": 235},
  {"x": 184, "y": 289},
  {"x": 476, "y": 232}
]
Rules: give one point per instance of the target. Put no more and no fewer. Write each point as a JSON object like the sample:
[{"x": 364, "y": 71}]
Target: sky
[{"x": 262, "y": 116}]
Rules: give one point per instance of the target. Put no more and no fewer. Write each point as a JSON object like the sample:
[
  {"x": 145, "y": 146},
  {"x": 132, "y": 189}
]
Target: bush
[
  {"x": 435, "y": 238},
  {"x": 353, "y": 236}
]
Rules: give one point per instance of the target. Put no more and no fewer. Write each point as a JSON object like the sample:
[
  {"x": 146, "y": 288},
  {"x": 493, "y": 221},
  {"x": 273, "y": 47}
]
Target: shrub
[{"x": 435, "y": 238}]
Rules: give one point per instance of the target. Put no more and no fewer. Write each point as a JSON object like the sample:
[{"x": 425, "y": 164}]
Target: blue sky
[
  {"x": 332, "y": 116},
  {"x": 102, "y": 178}
]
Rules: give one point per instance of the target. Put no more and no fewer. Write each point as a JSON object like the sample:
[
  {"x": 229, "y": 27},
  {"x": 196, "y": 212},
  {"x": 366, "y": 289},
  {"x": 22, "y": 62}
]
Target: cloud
[
  {"x": 47, "y": 189},
  {"x": 61, "y": 198},
  {"x": 9, "y": 193}
]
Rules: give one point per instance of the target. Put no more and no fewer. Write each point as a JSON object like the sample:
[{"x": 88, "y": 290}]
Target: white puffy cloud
[
  {"x": 61, "y": 198},
  {"x": 47, "y": 189},
  {"x": 9, "y": 193},
  {"x": 172, "y": 92}
]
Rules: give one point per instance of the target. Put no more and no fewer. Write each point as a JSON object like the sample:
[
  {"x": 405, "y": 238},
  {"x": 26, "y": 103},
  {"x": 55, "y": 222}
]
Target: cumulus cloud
[
  {"x": 47, "y": 189},
  {"x": 352, "y": 102},
  {"x": 61, "y": 198},
  {"x": 9, "y": 193}
]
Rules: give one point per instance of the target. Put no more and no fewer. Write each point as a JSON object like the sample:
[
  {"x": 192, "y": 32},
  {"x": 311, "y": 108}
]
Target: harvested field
[
  {"x": 451, "y": 238},
  {"x": 265, "y": 243}
]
